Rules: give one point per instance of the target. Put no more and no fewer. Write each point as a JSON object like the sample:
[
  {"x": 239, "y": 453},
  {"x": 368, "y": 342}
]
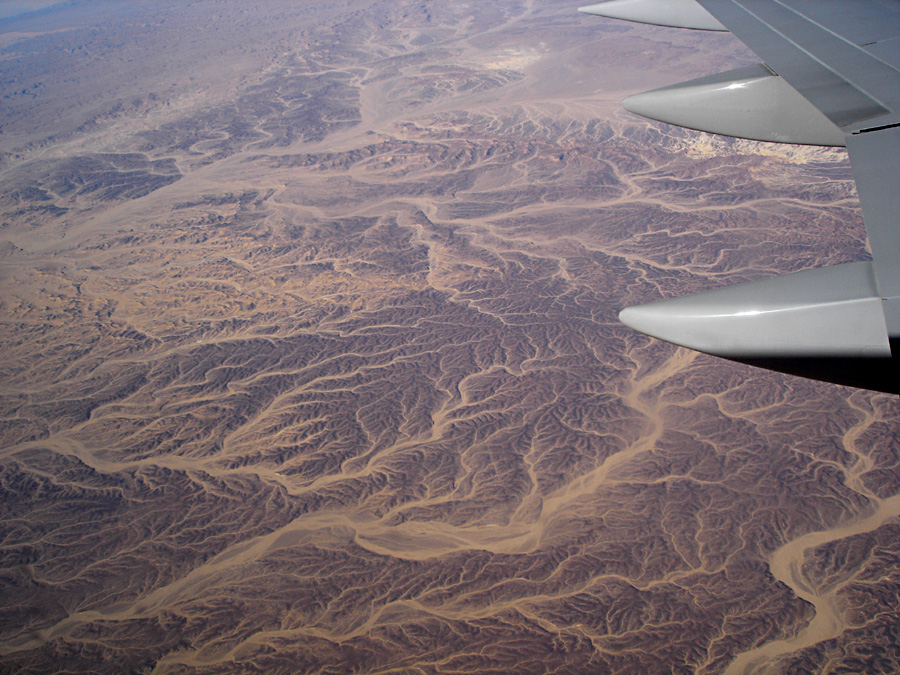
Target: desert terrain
[{"x": 311, "y": 361}]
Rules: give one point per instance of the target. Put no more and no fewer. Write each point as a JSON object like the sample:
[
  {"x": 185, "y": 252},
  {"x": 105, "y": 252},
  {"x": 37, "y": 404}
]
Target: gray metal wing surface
[{"x": 830, "y": 76}]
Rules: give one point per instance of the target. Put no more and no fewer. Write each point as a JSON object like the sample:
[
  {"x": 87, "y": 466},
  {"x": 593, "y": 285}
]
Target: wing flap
[
  {"x": 675, "y": 13},
  {"x": 748, "y": 102},
  {"x": 824, "y": 312}
]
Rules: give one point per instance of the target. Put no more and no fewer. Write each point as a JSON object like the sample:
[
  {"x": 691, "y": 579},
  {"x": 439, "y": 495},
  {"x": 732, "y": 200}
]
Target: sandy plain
[{"x": 311, "y": 361}]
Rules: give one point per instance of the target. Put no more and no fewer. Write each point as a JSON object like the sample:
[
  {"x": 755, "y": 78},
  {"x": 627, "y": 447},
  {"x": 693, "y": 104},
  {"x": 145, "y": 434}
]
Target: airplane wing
[{"x": 830, "y": 76}]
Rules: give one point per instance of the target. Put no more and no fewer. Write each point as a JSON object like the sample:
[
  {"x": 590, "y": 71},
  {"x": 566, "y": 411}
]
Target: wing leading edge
[{"x": 831, "y": 76}]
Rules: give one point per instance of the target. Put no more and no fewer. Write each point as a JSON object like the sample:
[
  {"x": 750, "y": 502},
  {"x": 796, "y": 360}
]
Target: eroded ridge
[{"x": 318, "y": 369}]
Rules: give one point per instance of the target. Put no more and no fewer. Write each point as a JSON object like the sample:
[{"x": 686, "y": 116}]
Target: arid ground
[{"x": 310, "y": 358}]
